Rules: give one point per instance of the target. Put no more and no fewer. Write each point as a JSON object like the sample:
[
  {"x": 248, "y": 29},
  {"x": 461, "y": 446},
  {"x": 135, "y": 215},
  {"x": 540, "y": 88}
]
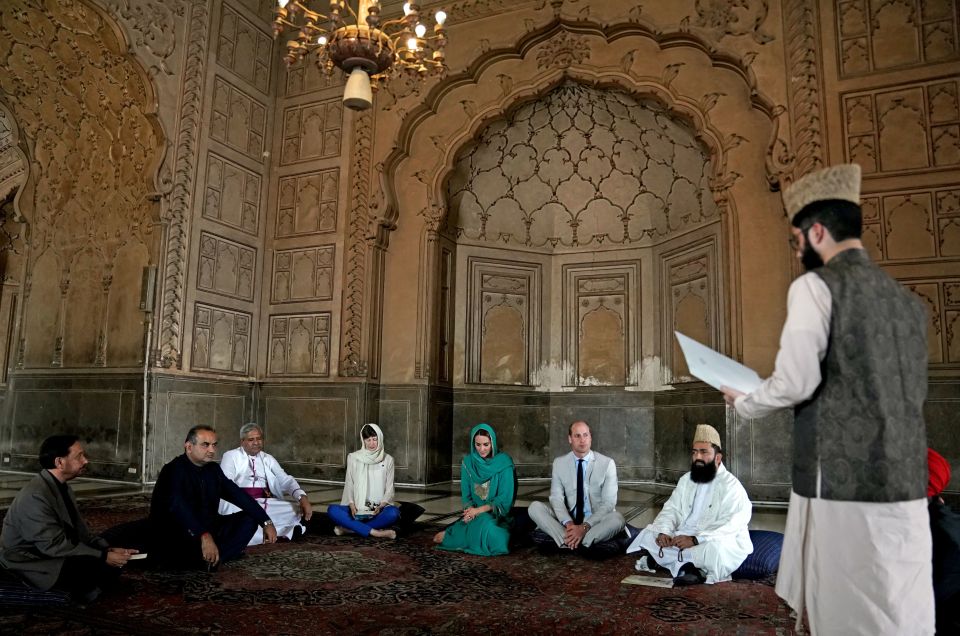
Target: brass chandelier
[{"x": 358, "y": 42}]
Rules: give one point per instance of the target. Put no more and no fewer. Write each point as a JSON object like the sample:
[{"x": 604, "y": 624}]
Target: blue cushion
[{"x": 765, "y": 558}]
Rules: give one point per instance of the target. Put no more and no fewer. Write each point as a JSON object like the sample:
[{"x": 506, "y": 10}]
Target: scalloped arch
[{"x": 451, "y": 114}]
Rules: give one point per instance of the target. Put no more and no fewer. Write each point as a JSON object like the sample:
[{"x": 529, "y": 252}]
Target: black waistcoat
[{"x": 864, "y": 425}]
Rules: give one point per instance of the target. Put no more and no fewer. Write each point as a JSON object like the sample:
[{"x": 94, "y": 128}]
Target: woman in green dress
[{"x": 487, "y": 488}]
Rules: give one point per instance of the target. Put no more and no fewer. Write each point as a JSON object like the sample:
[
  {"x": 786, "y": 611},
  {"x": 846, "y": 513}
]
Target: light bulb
[
  {"x": 441, "y": 17},
  {"x": 322, "y": 40},
  {"x": 420, "y": 30},
  {"x": 412, "y": 44},
  {"x": 406, "y": 8}
]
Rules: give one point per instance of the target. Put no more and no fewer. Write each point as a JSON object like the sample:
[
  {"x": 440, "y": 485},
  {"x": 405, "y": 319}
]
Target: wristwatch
[{"x": 266, "y": 523}]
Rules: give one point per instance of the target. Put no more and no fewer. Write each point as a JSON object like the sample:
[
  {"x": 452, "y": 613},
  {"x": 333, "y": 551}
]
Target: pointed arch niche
[{"x": 588, "y": 189}]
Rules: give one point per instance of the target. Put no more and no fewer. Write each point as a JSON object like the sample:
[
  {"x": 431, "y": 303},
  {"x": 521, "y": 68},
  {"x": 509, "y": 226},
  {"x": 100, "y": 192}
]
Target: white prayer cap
[
  {"x": 708, "y": 434},
  {"x": 836, "y": 182}
]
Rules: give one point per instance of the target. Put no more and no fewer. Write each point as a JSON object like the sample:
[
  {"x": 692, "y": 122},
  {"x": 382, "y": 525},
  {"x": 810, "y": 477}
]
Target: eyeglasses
[{"x": 794, "y": 242}]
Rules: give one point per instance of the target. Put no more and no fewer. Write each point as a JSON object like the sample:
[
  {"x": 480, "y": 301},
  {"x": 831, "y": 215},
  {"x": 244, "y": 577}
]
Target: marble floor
[{"x": 639, "y": 503}]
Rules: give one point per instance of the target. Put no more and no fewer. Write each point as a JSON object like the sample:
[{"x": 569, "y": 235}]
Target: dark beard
[
  {"x": 702, "y": 472},
  {"x": 809, "y": 258}
]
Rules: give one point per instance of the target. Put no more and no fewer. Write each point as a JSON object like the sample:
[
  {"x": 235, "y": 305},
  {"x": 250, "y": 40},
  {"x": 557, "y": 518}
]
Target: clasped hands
[
  {"x": 469, "y": 514},
  {"x": 573, "y": 534},
  {"x": 681, "y": 541}
]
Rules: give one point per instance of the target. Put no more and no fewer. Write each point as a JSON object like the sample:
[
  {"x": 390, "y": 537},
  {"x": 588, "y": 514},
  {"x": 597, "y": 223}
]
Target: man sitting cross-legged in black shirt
[{"x": 187, "y": 529}]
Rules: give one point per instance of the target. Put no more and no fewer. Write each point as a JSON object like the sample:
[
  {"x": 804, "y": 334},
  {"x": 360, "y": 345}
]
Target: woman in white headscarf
[{"x": 366, "y": 507}]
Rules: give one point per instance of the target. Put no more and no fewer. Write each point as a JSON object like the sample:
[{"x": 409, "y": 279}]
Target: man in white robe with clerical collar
[
  {"x": 701, "y": 533},
  {"x": 261, "y": 477}
]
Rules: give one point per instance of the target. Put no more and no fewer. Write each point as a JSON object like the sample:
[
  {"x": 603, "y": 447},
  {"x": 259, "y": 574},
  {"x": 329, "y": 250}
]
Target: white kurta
[
  {"x": 856, "y": 567},
  {"x": 379, "y": 482},
  {"x": 263, "y": 471},
  {"x": 716, "y": 513}
]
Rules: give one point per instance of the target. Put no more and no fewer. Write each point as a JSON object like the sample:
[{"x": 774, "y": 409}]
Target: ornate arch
[
  {"x": 88, "y": 109},
  {"x": 714, "y": 90}
]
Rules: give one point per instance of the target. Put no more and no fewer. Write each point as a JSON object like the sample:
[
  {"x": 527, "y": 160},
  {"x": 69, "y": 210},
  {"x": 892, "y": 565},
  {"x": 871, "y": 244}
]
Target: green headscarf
[{"x": 496, "y": 469}]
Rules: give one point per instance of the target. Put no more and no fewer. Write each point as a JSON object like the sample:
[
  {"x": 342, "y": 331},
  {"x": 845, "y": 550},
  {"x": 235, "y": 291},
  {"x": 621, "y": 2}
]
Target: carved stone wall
[
  {"x": 85, "y": 108},
  {"x": 227, "y": 225}
]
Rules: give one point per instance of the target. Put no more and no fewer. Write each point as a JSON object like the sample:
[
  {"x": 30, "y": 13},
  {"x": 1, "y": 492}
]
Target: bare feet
[
  {"x": 438, "y": 538},
  {"x": 339, "y": 531},
  {"x": 384, "y": 534}
]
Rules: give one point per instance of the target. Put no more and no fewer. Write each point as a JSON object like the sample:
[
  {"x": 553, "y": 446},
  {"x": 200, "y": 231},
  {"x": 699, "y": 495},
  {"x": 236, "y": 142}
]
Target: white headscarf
[{"x": 367, "y": 459}]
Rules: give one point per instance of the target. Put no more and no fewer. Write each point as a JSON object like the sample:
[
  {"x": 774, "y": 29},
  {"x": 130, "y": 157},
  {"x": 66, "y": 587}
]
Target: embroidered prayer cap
[
  {"x": 939, "y": 473},
  {"x": 708, "y": 434},
  {"x": 836, "y": 182}
]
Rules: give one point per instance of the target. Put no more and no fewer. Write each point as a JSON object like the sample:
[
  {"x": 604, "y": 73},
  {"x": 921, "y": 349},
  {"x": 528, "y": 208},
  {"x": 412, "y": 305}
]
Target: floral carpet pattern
[{"x": 349, "y": 585}]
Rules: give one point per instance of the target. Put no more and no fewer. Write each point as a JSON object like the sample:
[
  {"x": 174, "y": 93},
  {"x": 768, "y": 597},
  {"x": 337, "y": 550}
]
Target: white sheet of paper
[{"x": 715, "y": 368}]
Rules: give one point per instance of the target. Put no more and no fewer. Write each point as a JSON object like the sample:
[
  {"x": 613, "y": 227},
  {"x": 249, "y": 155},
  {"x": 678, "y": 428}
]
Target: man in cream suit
[{"x": 583, "y": 496}]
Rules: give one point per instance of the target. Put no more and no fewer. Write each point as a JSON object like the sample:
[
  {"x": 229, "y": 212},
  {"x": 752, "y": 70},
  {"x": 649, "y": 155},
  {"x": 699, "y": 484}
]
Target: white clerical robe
[
  {"x": 716, "y": 513},
  {"x": 263, "y": 471},
  {"x": 855, "y": 567}
]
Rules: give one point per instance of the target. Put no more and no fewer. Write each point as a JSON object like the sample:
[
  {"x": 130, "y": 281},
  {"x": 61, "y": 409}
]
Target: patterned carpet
[{"x": 346, "y": 585}]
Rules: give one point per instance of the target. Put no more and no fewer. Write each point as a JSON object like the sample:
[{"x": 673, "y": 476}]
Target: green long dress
[{"x": 484, "y": 482}]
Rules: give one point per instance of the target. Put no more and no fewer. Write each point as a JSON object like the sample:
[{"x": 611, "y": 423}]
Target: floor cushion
[{"x": 765, "y": 558}]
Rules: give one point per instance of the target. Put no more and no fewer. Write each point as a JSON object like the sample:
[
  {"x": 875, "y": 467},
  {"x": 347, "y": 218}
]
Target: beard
[
  {"x": 809, "y": 258},
  {"x": 702, "y": 472}
]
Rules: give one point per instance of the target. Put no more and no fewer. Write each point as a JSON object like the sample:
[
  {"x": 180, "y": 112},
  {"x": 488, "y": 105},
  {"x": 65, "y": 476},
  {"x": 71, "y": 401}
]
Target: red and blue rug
[{"x": 347, "y": 585}]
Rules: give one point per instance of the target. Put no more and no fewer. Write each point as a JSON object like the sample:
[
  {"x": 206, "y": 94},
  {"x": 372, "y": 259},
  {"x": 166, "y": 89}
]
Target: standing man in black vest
[{"x": 853, "y": 364}]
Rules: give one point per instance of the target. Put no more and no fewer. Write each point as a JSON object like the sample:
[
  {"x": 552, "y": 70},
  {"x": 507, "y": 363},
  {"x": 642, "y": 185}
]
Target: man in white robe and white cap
[
  {"x": 853, "y": 364},
  {"x": 260, "y": 476},
  {"x": 701, "y": 535}
]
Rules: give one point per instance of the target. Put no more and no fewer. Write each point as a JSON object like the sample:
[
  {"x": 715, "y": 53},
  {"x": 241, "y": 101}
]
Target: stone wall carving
[
  {"x": 878, "y": 35},
  {"x": 232, "y": 195},
  {"x": 912, "y": 127},
  {"x": 353, "y": 359},
  {"x": 802, "y": 38},
  {"x": 221, "y": 340},
  {"x": 152, "y": 24},
  {"x": 581, "y": 167},
  {"x": 305, "y": 77},
  {"x": 13, "y": 161},
  {"x": 690, "y": 302},
  {"x": 942, "y": 298},
  {"x": 601, "y": 322},
  {"x": 303, "y": 274},
  {"x": 226, "y": 267},
  {"x": 312, "y": 131},
  {"x": 913, "y": 225},
  {"x": 503, "y": 321},
  {"x": 245, "y": 49},
  {"x": 86, "y": 108},
  {"x": 307, "y": 203},
  {"x": 300, "y": 345},
  {"x": 725, "y": 18},
  {"x": 263, "y": 9},
  {"x": 237, "y": 119},
  {"x": 177, "y": 214}
]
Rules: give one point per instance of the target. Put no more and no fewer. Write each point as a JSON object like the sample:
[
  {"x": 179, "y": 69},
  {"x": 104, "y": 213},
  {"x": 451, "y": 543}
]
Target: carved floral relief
[
  {"x": 581, "y": 167},
  {"x": 85, "y": 107}
]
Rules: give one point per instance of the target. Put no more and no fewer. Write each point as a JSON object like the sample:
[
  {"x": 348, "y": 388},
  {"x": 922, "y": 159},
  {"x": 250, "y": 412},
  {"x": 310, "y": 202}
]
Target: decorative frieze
[
  {"x": 221, "y": 340},
  {"x": 879, "y": 35},
  {"x": 237, "y": 119},
  {"x": 503, "y": 321},
  {"x": 299, "y": 345},
  {"x": 232, "y": 195},
  {"x": 303, "y": 274},
  {"x": 914, "y": 127},
  {"x": 307, "y": 203},
  {"x": 312, "y": 131},
  {"x": 226, "y": 267},
  {"x": 245, "y": 49}
]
